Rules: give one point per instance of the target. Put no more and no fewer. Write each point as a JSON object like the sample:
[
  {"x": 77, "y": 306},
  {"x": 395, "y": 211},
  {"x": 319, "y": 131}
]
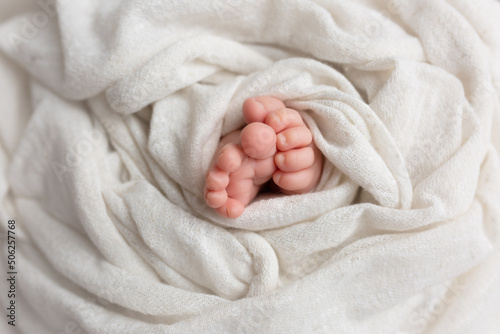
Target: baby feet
[
  {"x": 275, "y": 144},
  {"x": 240, "y": 169}
]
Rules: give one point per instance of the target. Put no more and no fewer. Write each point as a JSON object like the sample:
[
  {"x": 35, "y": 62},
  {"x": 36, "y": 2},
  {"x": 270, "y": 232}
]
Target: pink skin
[{"x": 276, "y": 144}]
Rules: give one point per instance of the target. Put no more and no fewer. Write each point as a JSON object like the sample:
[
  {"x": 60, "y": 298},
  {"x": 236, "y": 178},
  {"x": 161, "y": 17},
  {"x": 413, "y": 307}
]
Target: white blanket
[{"x": 103, "y": 166}]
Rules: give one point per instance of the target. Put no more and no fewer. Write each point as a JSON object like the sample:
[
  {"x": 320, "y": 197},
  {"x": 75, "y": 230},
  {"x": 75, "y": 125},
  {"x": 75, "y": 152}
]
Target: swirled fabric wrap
[{"x": 108, "y": 136}]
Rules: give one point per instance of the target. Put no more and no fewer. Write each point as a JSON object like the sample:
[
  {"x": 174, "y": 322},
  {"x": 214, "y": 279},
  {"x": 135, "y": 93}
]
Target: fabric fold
[{"x": 104, "y": 170}]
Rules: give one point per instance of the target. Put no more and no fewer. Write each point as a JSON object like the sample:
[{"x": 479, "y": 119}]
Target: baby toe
[
  {"x": 258, "y": 140},
  {"x": 216, "y": 199},
  {"x": 296, "y": 182},
  {"x": 295, "y": 160},
  {"x": 283, "y": 119},
  {"x": 230, "y": 158},
  {"x": 232, "y": 209},
  {"x": 255, "y": 109},
  {"x": 217, "y": 179},
  {"x": 291, "y": 138}
]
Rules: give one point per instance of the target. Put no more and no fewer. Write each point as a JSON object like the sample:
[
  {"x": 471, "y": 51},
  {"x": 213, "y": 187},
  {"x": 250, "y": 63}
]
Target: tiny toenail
[
  {"x": 282, "y": 139},
  {"x": 280, "y": 159},
  {"x": 258, "y": 103},
  {"x": 277, "y": 177},
  {"x": 276, "y": 118}
]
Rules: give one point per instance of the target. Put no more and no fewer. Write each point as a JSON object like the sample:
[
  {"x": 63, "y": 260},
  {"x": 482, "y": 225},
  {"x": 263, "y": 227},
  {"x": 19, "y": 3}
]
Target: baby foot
[
  {"x": 275, "y": 144},
  {"x": 299, "y": 162},
  {"x": 242, "y": 164}
]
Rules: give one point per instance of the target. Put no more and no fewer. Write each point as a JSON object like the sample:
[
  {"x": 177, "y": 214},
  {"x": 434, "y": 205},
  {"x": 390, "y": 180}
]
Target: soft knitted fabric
[{"x": 104, "y": 152}]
